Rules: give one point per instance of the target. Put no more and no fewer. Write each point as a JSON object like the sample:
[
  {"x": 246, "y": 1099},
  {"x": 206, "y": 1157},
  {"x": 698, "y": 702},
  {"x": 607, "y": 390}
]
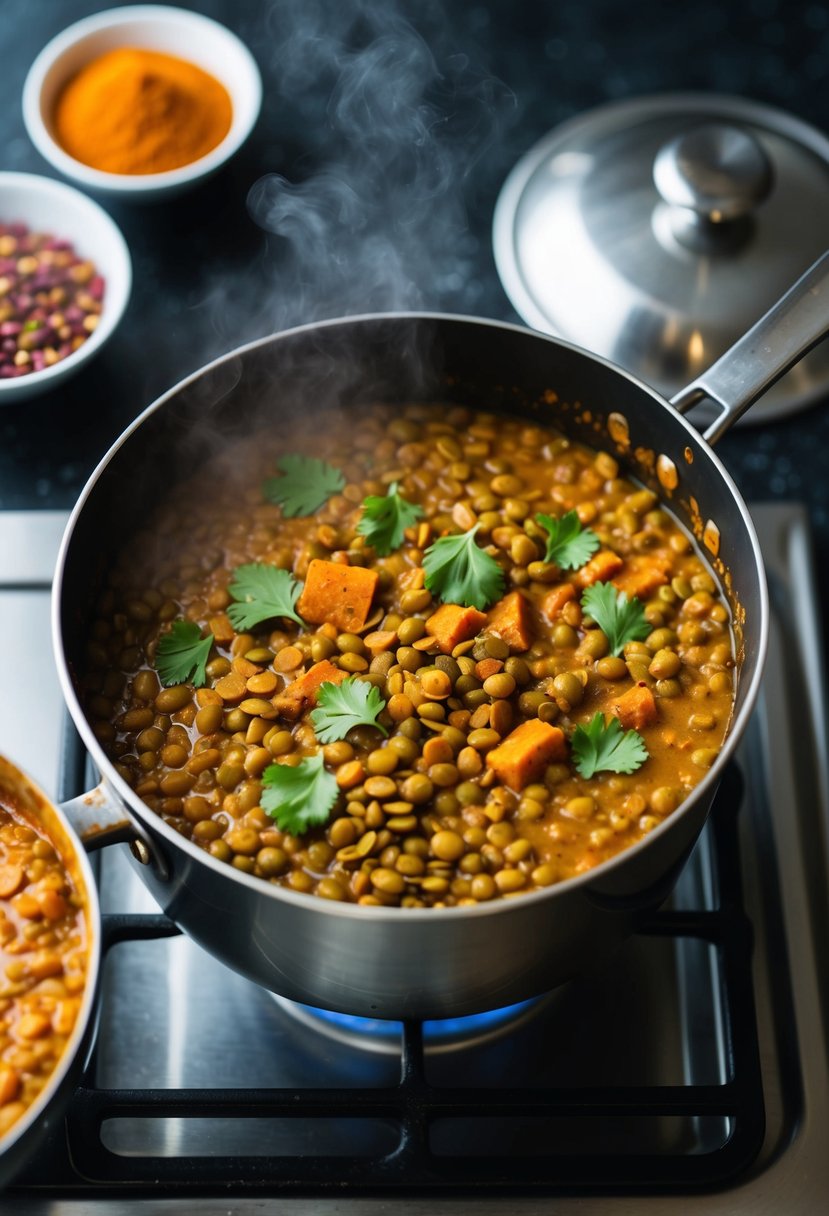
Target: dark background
[{"x": 482, "y": 82}]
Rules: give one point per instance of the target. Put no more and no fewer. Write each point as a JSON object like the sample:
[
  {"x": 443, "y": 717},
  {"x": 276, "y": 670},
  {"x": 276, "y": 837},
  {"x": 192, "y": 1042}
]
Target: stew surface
[
  {"x": 43, "y": 961},
  {"x": 471, "y": 786}
]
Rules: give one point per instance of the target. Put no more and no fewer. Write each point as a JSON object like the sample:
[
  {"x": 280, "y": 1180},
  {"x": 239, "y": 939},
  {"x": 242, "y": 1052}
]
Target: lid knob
[
  {"x": 684, "y": 241},
  {"x": 715, "y": 174}
]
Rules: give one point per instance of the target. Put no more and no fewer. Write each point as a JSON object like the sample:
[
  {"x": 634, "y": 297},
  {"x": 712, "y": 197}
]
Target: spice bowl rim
[
  {"x": 63, "y": 54},
  {"x": 115, "y": 266}
]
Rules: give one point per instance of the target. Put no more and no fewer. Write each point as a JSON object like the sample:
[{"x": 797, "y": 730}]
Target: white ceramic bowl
[
  {"x": 153, "y": 27},
  {"x": 45, "y": 205}
]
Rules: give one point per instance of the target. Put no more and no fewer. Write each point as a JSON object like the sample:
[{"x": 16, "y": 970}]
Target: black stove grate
[{"x": 76, "y": 1162}]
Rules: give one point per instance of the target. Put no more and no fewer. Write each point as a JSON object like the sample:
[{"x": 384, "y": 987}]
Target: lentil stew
[
  {"x": 467, "y": 786},
  {"x": 44, "y": 952}
]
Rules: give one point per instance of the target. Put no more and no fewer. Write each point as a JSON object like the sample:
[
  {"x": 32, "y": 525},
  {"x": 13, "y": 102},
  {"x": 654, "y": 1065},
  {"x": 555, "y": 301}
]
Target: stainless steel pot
[
  {"x": 22, "y": 1139},
  {"x": 391, "y": 962}
]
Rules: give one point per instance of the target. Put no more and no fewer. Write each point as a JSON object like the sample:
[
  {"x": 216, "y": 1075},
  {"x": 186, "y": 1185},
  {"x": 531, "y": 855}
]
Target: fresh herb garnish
[
  {"x": 183, "y": 653},
  {"x": 459, "y": 572},
  {"x": 385, "y": 518},
  {"x": 262, "y": 592},
  {"x": 621, "y": 619},
  {"x": 605, "y": 748},
  {"x": 305, "y": 484},
  {"x": 297, "y": 798},
  {"x": 568, "y": 544},
  {"x": 340, "y": 706}
]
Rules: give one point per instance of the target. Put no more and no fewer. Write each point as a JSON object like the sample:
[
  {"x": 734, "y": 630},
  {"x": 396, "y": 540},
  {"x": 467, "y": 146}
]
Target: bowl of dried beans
[{"x": 65, "y": 278}]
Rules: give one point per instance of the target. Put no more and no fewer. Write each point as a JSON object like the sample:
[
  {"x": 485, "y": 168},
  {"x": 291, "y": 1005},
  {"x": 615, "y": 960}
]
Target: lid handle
[
  {"x": 712, "y": 175},
  {"x": 787, "y": 331}
]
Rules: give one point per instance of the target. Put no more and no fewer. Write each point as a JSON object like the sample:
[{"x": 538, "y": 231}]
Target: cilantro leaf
[
  {"x": 385, "y": 518},
  {"x": 606, "y": 748},
  {"x": 621, "y": 619},
  {"x": 305, "y": 484},
  {"x": 568, "y": 544},
  {"x": 183, "y": 653},
  {"x": 340, "y": 706},
  {"x": 263, "y": 592},
  {"x": 459, "y": 572},
  {"x": 298, "y": 798}
]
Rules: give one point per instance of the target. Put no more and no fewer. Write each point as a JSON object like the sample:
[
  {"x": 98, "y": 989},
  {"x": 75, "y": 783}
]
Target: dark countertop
[{"x": 498, "y": 75}]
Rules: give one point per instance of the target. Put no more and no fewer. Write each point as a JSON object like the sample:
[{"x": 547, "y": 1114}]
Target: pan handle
[
  {"x": 788, "y": 330},
  {"x": 99, "y": 818}
]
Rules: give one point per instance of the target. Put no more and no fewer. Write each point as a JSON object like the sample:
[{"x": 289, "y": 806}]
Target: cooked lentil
[{"x": 422, "y": 818}]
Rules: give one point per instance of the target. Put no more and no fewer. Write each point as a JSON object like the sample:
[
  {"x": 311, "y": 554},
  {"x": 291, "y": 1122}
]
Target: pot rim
[
  {"x": 94, "y": 953},
  {"x": 393, "y": 915}
]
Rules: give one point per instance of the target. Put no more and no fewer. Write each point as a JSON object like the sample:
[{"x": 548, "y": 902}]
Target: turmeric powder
[{"x": 137, "y": 111}]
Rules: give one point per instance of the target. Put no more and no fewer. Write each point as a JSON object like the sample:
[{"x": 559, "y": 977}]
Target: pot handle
[
  {"x": 788, "y": 330},
  {"x": 99, "y": 819}
]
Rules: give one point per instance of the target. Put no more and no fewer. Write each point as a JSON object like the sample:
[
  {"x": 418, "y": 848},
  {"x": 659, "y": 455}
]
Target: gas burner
[{"x": 384, "y": 1037}]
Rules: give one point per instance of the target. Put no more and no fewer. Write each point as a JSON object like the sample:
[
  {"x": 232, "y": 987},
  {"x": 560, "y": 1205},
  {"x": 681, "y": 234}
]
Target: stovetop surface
[{"x": 648, "y": 1059}]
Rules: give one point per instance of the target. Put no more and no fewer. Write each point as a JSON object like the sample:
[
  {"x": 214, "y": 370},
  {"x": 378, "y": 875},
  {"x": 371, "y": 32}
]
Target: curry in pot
[
  {"x": 43, "y": 959},
  {"x": 430, "y": 657}
]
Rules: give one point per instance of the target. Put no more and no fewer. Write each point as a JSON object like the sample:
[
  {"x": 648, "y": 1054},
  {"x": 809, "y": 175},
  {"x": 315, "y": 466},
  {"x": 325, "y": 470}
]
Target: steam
[
  {"x": 375, "y": 217},
  {"x": 374, "y": 128}
]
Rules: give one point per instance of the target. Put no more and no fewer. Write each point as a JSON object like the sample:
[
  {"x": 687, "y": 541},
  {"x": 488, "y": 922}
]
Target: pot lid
[{"x": 656, "y": 231}]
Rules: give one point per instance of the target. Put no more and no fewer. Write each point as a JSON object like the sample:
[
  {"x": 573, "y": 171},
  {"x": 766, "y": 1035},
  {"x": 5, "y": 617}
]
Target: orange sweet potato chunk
[
  {"x": 452, "y": 624},
  {"x": 642, "y": 576},
  {"x": 636, "y": 708},
  {"x": 600, "y": 569},
  {"x": 525, "y": 753},
  {"x": 556, "y": 598},
  {"x": 511, "y": 619},
  {"x": 337, "y": 593},
  {"x": 302, "y": 692}
]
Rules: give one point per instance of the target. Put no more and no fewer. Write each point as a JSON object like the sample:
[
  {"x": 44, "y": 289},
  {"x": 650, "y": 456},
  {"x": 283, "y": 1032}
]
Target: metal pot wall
[{"x": 391, "y": 962}]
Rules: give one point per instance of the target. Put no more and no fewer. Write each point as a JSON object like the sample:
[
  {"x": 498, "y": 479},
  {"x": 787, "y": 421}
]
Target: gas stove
[{"x": 689, "y": 1074}]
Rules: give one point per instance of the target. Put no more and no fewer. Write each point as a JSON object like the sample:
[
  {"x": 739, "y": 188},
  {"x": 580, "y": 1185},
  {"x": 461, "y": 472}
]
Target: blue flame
[{"x": 435, "y": 1031}]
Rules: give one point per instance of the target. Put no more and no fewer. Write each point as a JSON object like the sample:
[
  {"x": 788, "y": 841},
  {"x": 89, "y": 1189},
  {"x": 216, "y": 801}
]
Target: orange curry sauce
[
  {"x": 43, "y": 960},
  {"x": 473, "y": 793}
]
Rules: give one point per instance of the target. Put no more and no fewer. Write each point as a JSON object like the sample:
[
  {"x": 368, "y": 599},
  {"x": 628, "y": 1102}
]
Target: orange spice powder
[{"x": 137, "y": 111}]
